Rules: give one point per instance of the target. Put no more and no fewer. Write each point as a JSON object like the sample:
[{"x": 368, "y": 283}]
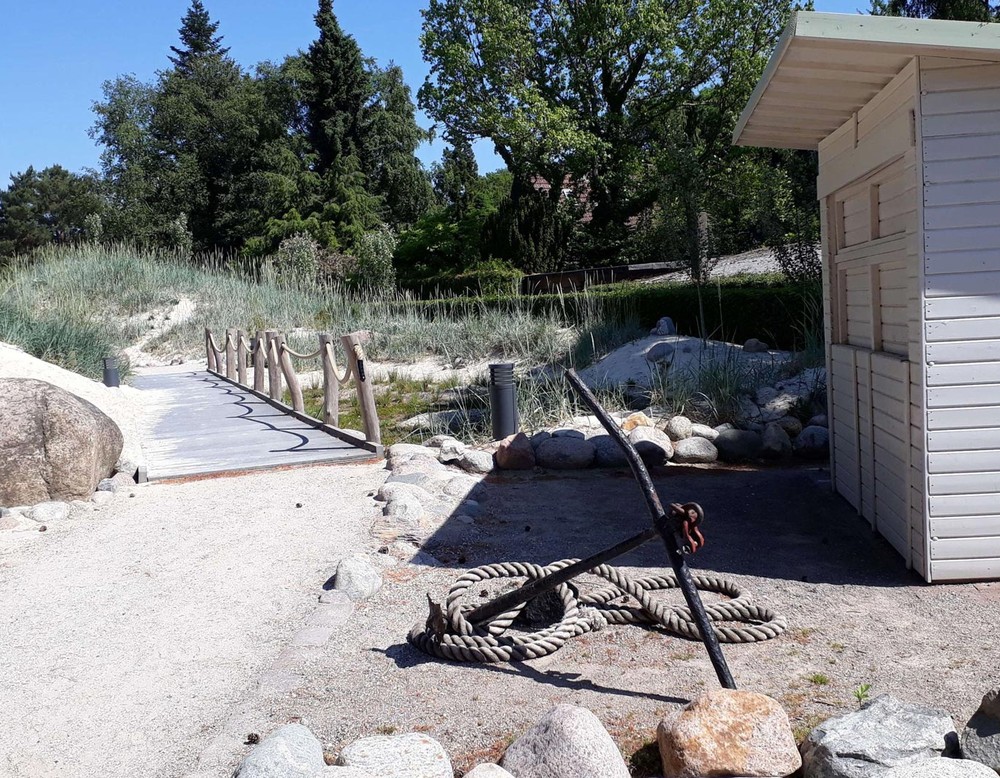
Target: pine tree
[
  {"x": 198, "y": 37},
  {"x": 336, "y": 94},
  {"x": 392, "y": 137},
  {"x": 456, "y": 176}
]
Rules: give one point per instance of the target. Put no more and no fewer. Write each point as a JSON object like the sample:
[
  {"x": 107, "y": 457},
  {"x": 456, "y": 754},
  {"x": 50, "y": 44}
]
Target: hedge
[{"x": 782, "y": 314}]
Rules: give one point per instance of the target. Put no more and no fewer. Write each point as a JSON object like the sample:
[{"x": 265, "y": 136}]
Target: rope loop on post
[{"x": 453, "y": 637}]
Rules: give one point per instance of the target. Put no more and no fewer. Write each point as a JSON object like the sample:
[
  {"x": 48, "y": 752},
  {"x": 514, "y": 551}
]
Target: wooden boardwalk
[{"x": 200, "y": 424}]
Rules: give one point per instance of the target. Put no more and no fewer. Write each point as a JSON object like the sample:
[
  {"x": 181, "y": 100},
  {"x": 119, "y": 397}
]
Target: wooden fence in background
[{"x": 270, "y": 356}]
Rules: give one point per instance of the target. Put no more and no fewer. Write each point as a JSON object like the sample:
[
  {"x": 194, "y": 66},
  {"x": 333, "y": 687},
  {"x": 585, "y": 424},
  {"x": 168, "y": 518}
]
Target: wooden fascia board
[{"x": 772, "y": 66}]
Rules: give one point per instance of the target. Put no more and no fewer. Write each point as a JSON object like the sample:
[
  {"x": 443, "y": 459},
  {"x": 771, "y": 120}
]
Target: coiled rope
[{"x": 449, "y": 635}]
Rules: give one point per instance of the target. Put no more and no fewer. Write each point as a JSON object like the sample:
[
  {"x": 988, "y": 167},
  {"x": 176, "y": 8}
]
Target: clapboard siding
[{"x": 960, "y": 148}]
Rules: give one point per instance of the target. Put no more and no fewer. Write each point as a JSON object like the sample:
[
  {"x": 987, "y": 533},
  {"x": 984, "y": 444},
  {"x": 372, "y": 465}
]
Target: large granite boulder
[
  {"x": 53, "y": 444},
  {"x": 569, "y": 742},
  {"x": 886, "y": 732},
  {"x": 738, "y": 445},
  {"x": 728, "y": 732},
  {"x": 565, "y": 453}
]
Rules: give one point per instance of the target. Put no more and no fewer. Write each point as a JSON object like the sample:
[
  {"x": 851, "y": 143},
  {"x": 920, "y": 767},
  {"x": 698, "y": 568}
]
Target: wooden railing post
[
  {"x": 366, "y": 397},
  {"x": 209, "y": 351},
  {"x": 258, "y": 357},
  {"x": 294, "y": 387},
  {"x": 241, "y": 357},
  {"x": 231, "y": 353},
  {"x": 331, "y": 384},
  {"x": 273, "y": 368}
]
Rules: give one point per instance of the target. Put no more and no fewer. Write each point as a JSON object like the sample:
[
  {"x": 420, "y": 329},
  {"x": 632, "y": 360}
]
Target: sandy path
[{"x": 127, "y": 636}]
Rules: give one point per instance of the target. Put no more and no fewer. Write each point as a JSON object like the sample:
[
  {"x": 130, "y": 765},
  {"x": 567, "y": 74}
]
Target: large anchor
[{"x": 678, "y": 528}]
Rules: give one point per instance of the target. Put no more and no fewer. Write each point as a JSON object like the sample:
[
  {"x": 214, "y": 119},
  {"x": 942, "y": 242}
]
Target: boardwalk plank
[{"x": 203, "y": 425}]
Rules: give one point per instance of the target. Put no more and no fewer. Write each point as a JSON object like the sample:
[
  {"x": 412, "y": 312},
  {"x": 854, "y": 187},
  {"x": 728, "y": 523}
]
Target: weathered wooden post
[
  {"x": 273, "y": 368},
  {"x": 366, "y": 397},
  {"x": 241, "y": 357},
  {"x": 258, "y": 356},
  {"x": 209, "y": 351},
  {"x": 331, "y": 384},
  {"x": 294, "y": 388},
  {"x": 231, "y": 353}
]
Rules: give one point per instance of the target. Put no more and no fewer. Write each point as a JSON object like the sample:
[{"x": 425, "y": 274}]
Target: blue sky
[{"x": 54, "y": 56}]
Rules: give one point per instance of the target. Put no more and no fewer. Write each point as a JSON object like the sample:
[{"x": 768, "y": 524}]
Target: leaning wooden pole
[
  {"x": 331, "y": 382},
  {"x": 366, "y": 396}
]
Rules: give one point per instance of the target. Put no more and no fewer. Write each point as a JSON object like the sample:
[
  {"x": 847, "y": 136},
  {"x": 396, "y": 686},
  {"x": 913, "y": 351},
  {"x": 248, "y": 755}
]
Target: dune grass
[{"x": 74, "y": 305}]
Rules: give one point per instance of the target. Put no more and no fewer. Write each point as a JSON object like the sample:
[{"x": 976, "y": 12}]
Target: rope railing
[{"x": 270, "y": 357}]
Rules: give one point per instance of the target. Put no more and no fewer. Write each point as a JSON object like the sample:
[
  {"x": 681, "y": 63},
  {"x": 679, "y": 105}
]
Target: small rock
[
  {"x": 886, "y": 732},
  {"x": 790, "y": 425},
  {"x": 392, "y": 489},
  {"x": 565, "y": 453},
  {"x": 437, "y": 440},
  {"x": 569, "y": 742},
  {"x": 813, "y": 443},
  {"x": 539, "y": 437},
  {"x": 291, "y": 751},
  {"x": 940, "y": 767},
  {"x": 105, "y": 485},
  {"x": 634, "y": 420},
  {"x": 607, "y": 452},
  {"x": 515, "y": 453},
  {"x": 121, "y": 482},
  {"x": 724, "y": 428},
  {"x": 776, "y": 443},
  {"x": 405, "y": 509},
  {"x": 779, "y": 406},
  {"x": 126, "y": 466},
  {"x": 469, "y": 508},
  {"x": 460, "y": 486},
  {"x": 704, "y": 431},
  {"x": 695, "y": 450},
  {"x": 664, "y": 326},
  {"x": 357, "y": 577},
  {"x": 49, "y": 512},
  {"x": 728, "y": 732},
  {"x": 819, "y": 420},
  {"x": 488, "y": 771},
  {"x": 754, "y": 346},
  {"x": 413, "y": 755},
  {"x": 738, "y": 445},
  {"x": 101, "y": 499},
  {"x": 660, "y": 352},
  {"x": 408, "y": 450},
  {"x": 652, "y": 444},
  {"x": 766, "y": 394},
  {"x": 568, "y": 432},
  {"x": 451, "y": 451},
  {"x": 679, "y": 428},
  {"x": 474, "y": 461},
  {"x": 981, "y": 736}
]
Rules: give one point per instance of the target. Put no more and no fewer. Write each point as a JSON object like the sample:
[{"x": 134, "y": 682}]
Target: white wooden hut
[{"x": 905, "y": 114}]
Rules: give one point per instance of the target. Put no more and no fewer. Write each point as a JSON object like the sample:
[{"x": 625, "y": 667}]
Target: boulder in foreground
[{"x": 54, "y": 446}]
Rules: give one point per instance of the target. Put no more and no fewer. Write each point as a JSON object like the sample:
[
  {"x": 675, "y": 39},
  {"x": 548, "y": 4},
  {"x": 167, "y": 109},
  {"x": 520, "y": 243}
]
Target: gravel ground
[
  {"x": 856, "y": 617},
  {"x": 128, "y": 634}
]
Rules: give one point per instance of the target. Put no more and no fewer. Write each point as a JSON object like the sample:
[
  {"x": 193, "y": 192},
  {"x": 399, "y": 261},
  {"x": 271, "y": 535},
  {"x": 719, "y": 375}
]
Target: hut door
[{"x": 872, "y": 222}]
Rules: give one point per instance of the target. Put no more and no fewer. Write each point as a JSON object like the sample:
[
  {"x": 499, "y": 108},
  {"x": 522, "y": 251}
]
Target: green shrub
[{"x": 297, "y": 257}]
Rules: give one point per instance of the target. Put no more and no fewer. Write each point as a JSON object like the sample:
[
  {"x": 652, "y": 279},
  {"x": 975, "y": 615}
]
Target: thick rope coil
[{"x": 459, "y": 640}]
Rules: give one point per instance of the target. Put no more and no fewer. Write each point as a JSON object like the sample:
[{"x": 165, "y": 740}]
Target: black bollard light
[
  {"x": 111, "y": 376},
  {"x": 503, "y": 400}
]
